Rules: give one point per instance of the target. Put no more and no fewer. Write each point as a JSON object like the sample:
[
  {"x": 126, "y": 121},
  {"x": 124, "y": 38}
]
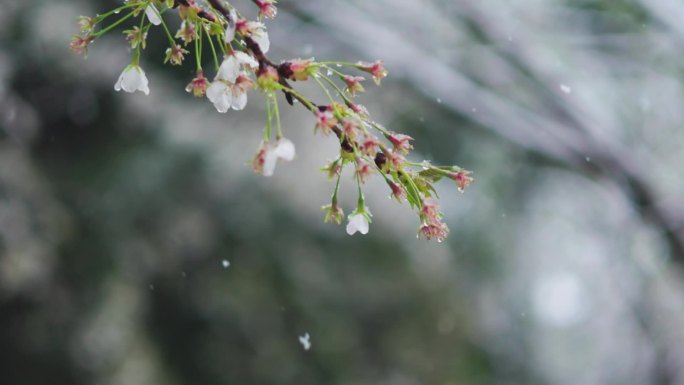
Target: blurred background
[{"x": 137, "y": 247}]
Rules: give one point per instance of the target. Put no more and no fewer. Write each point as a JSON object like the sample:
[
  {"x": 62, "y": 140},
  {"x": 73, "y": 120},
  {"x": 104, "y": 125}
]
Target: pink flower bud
[
  {"x": 376, "y": 69},
  {"x": 462, "y": 178},
  {"x": 297, "y": 69},
  {"x": 398, "y": 192}
]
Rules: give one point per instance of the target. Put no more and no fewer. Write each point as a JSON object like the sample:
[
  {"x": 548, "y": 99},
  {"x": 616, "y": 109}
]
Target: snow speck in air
[
  {"x": 305, "y": 341},
  {"x": 225, "y": 263},
  {"x": 439, "y": 100},
  {"x": 565, "y": 88}
]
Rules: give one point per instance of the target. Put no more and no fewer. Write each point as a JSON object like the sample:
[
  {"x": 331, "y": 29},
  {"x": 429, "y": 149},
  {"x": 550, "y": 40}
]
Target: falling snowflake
[{"x": 305, "y": 341}]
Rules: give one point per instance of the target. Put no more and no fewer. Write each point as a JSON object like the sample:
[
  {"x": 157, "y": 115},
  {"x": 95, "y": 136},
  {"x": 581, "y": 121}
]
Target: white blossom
[
  {"x": 229, "y": 34},
  {"x": 260, "y": 36},
  {"x": 270, "y": 161},
  {"x": 153, "y": 14},
  {"x": 132, "y": 79},
  {"x": 246, "y": 59},
  {"x": 284, "y": 150},
  {"x": 232, "y": 64},
  {"x": 357, "y": 222},
  {"x": 220, "y": 93}
]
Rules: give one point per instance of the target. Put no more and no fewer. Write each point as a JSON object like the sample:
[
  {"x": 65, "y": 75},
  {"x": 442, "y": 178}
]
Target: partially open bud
[
  {"x": 268, "y": 79},
  {"x": 462, "y": 179},
  {"x": 297, "y": 69}
]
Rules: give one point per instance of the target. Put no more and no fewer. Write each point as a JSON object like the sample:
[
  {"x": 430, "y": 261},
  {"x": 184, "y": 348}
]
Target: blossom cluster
[{"x": 238, "y": 47}]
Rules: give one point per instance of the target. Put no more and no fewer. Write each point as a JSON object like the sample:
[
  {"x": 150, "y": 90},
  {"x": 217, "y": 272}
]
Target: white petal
[
  {"x": 270, "y": 162},
  {"x": 246, "y": 59},
  {"x": 143, "y": 86},
  {"x": 229, "y": 34},
  {"x": 229, "y": 69},
  {"x": 357, "y": 222},
  {"x": 239, "y": 101},
  {"x": 152, "y": 14},
  {"x": 261, "y": 37},
  {"x": 215, "y": 90},
  {"x": 117, "y": 86},
  {"x": 285, "y": 150},
  {"x": 131, "y": 79}
]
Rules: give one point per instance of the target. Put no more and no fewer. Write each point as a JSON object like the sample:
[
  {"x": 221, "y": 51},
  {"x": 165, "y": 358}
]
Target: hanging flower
[
  {"x": 132, "y": 79},
  {"x": 136, "y": 37},
  {"x": 232, "y": 65},
  {"x": 267, "y": 8},
  {"x": 398, "y": 192},
  {"x": 257, "y": 31},
  {"x": 175, "y": 55},
  {"x": 376, "y": 69},
  {"x": 198, "y": 85},
  {"x": 462, "y": 179},
  {"x": 358, "y": 221},
  {"x": 186, "y": 32},
  {"x": 354, "y": 84},
  {"x": 363, "y": 171},
  {"x": 153, "y": 14},
  {"x": 297, "y": 69},
  {"x": 333, "y": 213},
  {"x": 369, "y": 146},
  {"x": 79, "y": 44},
  {"x": 435, "y": 229},
  {"x": 220, "y": 94},
  {"x": 325, "y": 120},
  {"x": 400, "y": 142},
  {"x": 239, "y": 91},
  {"x": 267, "y": 156},
  {"x": 284, "y": 149}
]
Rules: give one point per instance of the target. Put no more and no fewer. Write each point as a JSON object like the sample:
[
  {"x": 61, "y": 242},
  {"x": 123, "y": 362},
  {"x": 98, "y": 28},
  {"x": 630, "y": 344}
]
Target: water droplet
[
  {"x": 474, "y": 109},
  {"x": 421, "y": 119},
  {"x": 184, "y": 274},
  {"x": 565, "y": 88},
  {"x": 588, "y": 159},
  {"x": 439, "y": 100},
  {"x": 225, "y": 263},
  {"x": 510, "y": 38},
  {"x": 151, "y": 286}
]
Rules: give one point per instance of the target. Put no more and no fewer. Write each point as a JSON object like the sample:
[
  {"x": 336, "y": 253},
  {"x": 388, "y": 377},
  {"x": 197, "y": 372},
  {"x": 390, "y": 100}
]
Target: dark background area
[{"x": 563, "y": 266}]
